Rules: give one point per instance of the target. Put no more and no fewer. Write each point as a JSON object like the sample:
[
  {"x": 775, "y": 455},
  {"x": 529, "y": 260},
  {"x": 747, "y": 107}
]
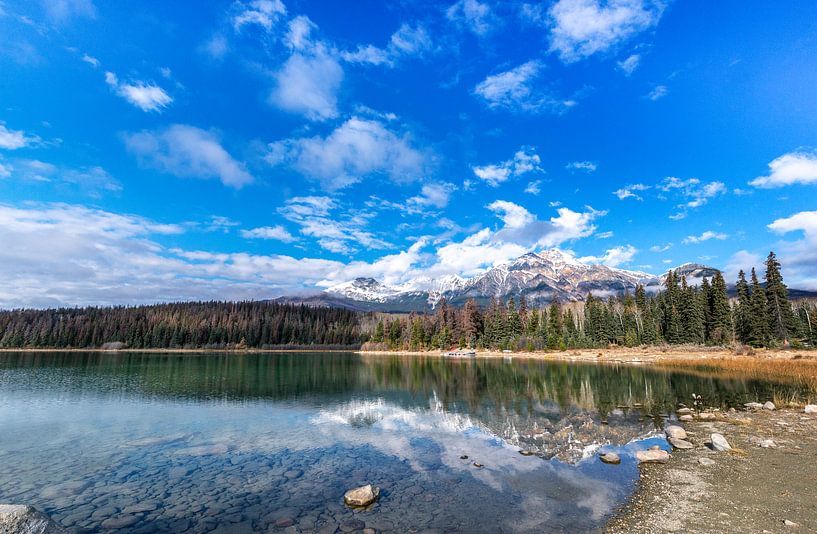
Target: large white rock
[
  {"x": 769, "y": 406},
  {"x": 22, "y": 519},
  {"x": 362, "y": 496},
  {"x": 719, "y": 442},
  {"x": 675, "y": 431},
  {"x": 811, "y": 408}
]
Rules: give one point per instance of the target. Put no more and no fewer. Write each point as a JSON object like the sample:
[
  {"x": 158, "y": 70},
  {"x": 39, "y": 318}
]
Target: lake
[{"x": 245, "y": 442}]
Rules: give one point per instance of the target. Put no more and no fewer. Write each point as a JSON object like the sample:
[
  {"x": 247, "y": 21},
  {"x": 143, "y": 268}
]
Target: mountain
[{"x": 539, "y": 277}]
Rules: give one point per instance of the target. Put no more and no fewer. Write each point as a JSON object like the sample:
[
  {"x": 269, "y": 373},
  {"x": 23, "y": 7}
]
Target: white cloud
[
  {"x": 93, "y": 181},
  {"x": 514, "y": 90},
  {"x": 263, "y": 13},
  {"x": 605, "y": 235},
  {"x": 658, "y": 92},
  {"x": 216, "y": 47},
  {"x": 474, "y": 15},
  {"x": 308, "y": 83},
  {"x": 742, "y": 260},
  {"x": 14, "y": 139},
  {"x": 94, "y": 62},
  {"x": 706, "y": 236},
  {"x": 581, "y": 28},
  {"x": 693, "y": 191},
  {"x": 629, "y": 191},
  {"x": 524, "y": 160},
  {"x": 629, "y": 65},
  {"x": 278, "y": 233},
  {"x": 434, "y": 195},
  {"x": 534, "y": 187},
  {"x": 145, "y": 96},
  {"x": 789, "y": 169},
  {"x": 661, "y": 248},
  {"x": 298, "y": 35},
  {"x": 61, "y": 11},
  {"x": 334, "y": 232},
  {"x": 513, "y": 215},
  {"x": 5, "y": 170},
  {"x": 799, "y": 258},
  {"x": 613, "y": 257},
  {"x": 407, "y": 41},
  {"x": 187, "y": 151},
  {"x": 587, "y": 166},
  {"x": 355, "y": 149}
]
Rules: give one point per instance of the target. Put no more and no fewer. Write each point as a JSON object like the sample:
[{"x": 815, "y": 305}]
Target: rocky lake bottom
[{"x": 271, "y": 442}]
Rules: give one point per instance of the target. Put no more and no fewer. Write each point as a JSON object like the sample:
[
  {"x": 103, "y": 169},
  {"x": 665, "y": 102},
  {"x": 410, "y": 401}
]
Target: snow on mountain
[{"x": 539, "y": 277}]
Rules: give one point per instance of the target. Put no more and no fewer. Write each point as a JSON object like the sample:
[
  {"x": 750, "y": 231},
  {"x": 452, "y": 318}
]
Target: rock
[
  {"x": 122, "y": 521},
  {"x": 526, "y": 453},
  {"x": 790, "y": 523},
  {"x": 362, "y": 496},
  {"x": 769, "y": 406},
  {"x": 652, "y": 456},
  {"x": 679, "y": 443},
  {"x": 464, "y": 457},
  {"x": 811, "y": 408},
  {"x": 768, "y": 444},
  {"x": 477, "y": 464},
  {"x": 706, "y": 461},
  {"x": 284, "y": 522},
  {"x": 610, "y": 458},
  {"x": 204, "y": 450},
  {"x": 706, "y": 416},
  {"x": 719, "y": 442},
  {"x": 675, "y": 431},
  {"x": 23, "y": 519},
  {"x": 753, "y": 406},
  {"x": 684, "y": 411},
  {"x": 685, "y": 418},
  {"x": 352, "y": 525}
]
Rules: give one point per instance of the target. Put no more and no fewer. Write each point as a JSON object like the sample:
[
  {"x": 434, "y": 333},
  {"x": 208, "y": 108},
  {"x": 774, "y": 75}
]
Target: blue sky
[{"x": 155, "y": 151}]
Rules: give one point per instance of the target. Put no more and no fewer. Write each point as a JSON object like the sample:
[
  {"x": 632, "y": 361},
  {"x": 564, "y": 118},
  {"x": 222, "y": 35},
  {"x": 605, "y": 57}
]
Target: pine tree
[
  {"x": 782, "y": 323},
  {"x": 720, "y": 314},
  {"x": 743, "y": 309},
  {"x": 759, "y": 331}
]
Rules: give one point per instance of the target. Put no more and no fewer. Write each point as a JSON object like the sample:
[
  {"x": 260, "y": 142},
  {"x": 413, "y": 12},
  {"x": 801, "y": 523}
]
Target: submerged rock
[
  {"x": 719, "y": 442},
  {"x": 22, "y": 519},
  {"x": 362, "y": 496},
  {"x": 610, "y": 458},
  {"x": 675, "y": 431},
  {"x": 652, "y": 456}
]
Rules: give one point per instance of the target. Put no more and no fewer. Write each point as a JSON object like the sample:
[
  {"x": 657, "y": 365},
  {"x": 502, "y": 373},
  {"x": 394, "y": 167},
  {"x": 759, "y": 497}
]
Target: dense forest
[
  {"x": 183, "y": 325},
  {"x": 761, "y": 316}
]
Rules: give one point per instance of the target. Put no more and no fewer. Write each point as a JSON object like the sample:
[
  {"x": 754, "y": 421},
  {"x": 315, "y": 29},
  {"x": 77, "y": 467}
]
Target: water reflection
[{"x": 175, "y": 442}]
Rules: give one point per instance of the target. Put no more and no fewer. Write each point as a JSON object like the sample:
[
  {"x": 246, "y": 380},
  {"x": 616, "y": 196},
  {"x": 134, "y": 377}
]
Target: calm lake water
[{"x": 240, "y": 443}]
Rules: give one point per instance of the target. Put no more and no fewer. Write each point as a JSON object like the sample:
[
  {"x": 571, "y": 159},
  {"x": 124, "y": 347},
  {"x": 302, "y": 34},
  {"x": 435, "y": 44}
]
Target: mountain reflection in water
[{"x": 175, "y": 442}]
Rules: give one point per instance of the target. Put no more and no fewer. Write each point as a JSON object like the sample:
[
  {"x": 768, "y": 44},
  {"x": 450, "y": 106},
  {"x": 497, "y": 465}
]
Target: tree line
[
  {"x": 760, "y": 316},
  {"x": 209, "y": 325}
]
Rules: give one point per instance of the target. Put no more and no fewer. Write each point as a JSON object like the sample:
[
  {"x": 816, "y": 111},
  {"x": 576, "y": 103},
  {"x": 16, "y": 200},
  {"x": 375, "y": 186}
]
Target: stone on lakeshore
[
  {"x": 686, "y": 418},
  {"x": 122, "y": 521},
  {"x": 769, "y": 405},
  {"x": 706, "y": 461},
  {"x": 362, "y": 496},
  {"x": 610, "y": 458},
  {"x": 811, "y": 408},
  {"x": 23, "y": 519},
  {"x": 790, "y": 523},
  {"x": 706, "y": 416},
  {"x": 679, "y": 443},
  {"x": 719, "y": 442},
  {"x": 684, "y": 411},
  {"x": 753, "y": 406},
  {"x": 526, "y": 453},
  {"x": 352, "y": 525},
  {"x": 675, "y": 431},
  {"x": 652, "y": 457}
]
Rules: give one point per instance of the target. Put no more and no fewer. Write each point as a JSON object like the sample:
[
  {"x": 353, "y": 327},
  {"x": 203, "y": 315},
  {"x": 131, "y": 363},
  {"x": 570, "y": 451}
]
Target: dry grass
[{"x": 798, "y": 371}]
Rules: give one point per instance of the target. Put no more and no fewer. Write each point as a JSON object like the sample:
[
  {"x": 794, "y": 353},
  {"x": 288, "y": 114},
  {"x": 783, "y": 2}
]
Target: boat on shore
[{"x": 461, "y": 353}]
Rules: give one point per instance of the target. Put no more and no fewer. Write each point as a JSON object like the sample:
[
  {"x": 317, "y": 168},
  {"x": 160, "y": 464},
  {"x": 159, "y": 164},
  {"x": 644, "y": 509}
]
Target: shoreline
[{"x": 763, "y": 484}]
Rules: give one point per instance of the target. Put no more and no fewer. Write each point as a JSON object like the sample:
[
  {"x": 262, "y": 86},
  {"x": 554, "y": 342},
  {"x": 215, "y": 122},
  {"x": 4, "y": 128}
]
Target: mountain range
[{"x": 539, "y": 277}]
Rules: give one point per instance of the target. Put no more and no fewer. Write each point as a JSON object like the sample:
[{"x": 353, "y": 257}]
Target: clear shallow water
[{"x": 180, "y": 442}]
